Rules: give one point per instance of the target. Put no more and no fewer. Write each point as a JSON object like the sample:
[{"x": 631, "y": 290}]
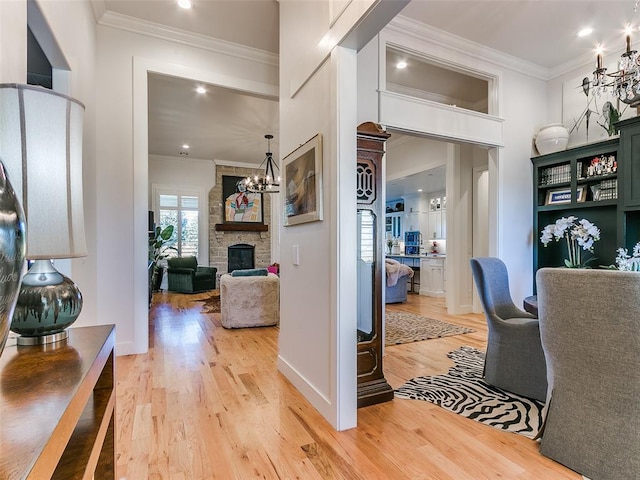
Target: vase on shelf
[{"x": 552, "y": 138}]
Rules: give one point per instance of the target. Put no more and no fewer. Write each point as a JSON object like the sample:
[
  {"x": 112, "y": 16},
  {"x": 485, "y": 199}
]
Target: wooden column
[{"x": 372, "y": 386}]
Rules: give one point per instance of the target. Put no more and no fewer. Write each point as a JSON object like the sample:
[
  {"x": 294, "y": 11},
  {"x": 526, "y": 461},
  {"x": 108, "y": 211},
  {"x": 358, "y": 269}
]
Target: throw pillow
[{"x": 251, "y": 272}]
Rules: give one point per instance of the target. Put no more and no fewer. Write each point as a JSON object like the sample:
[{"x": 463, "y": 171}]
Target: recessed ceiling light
[
  {"x": 185, "y": 3},
  {"x": 401, "y": 64},
  {"x": 419, "y": 189},
  {"x": 185, "y": 146},
  {"x": 585, "y": 31},
  {"x": 201, "y": 89}
]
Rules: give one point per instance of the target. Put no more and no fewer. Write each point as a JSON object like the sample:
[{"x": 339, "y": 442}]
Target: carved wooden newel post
[{"x": 372, "y": 386}]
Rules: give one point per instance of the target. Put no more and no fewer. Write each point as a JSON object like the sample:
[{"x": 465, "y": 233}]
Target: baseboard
[{"x": 319, "y": 401}]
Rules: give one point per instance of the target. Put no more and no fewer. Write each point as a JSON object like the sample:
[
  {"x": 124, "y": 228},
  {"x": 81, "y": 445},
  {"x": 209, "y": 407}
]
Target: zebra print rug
[{"x": 463, "y": 391}]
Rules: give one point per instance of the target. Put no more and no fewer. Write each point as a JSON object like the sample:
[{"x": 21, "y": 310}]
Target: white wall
[
  {"x": 413, "y": 155},
  {"x": 13, "y": 42},
  {"x": 122, "y": 158},
  {"x": 186, "y": 174},
  {"x": 520, "y": 94},
  {"x": 318, "y": 311}
]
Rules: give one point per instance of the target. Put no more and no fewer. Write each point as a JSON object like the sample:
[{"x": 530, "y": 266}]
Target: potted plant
[{"x": 160, "y": 242}]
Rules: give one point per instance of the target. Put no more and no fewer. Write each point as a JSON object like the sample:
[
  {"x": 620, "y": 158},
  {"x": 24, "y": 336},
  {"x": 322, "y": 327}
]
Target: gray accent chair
[
  {"x": 514, "y": 360},
  {"x": 590, "y": 324}
]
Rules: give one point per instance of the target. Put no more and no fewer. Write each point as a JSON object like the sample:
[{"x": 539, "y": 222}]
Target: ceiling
[
  {"x": 219, "y": 124},
  {"x": 542, "y": 32},
  {"x": 429, "y": 181}
]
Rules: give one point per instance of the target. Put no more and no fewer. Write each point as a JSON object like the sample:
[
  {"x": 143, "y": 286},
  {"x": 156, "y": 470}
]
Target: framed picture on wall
[
  {"x": 240, "y": 206},
  {"x": 302, "y": 183}
]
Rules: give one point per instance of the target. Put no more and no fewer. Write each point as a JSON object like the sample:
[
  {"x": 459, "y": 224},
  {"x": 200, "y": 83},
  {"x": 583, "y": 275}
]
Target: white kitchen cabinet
[
  {"x": 432, "y": 276},
  {"x": 412, "y": 222},
  {"x": 437, "y": 225}
]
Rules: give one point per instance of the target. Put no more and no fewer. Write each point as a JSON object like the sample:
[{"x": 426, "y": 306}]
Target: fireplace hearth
[{"x": 240, "y": 256}]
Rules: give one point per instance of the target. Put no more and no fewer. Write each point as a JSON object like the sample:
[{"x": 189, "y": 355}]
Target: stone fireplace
[{"x": 220, "y": 241}]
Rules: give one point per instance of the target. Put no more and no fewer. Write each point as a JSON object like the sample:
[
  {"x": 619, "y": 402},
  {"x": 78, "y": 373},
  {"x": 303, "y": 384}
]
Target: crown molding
[
  {"x": 173, "y": 158},
  {"x": 425, "y": 33},
  {"x": 163, "y": 32},
  {"x": 229, "y": 163}
]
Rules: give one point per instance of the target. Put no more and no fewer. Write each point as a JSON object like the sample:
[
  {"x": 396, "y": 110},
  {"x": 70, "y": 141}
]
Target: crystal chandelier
[
  {"x": 267, "y": 182},
  {"x": 623, "y": 84}
]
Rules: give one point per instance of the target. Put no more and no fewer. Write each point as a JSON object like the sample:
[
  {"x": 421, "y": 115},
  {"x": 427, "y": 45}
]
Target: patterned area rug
[
  {"x": 463, "y": 391},
  {"x": 404, "y": 327}
]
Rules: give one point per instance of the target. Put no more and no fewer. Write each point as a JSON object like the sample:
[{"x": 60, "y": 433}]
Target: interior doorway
[{"x": 463, "y": 193}]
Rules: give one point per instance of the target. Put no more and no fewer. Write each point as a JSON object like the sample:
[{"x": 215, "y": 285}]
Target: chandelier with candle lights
[
  {"x": 264, "y": 181},
  {"x": 624, "y": 83}
]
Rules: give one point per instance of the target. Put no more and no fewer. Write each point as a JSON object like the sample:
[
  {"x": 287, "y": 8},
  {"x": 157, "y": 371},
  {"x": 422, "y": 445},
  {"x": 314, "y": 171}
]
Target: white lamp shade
[{"x": 41, "y": 148}]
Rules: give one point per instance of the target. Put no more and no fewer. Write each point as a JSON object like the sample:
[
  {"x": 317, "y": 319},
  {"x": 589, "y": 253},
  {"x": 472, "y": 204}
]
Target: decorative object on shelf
[
  {"x": 611, "y": 116},
  {"x": 435, "y": 248},
  {"x": 551, "y": 138},
  {"x": 581, "y": 193},
  {"x": 558, "y": 196},
  {"x": 555, "y": 175},
  {"x": 578, "y": 234},
  {"x": 42, "y": 149},
  {"x": 626, "y": 262},
  {"x": 303, "y": 183},
  {"x": 389, "y": 245},
  {"x": 599, "y": 165},
  {"x": 395, "y": 247},
  {"x": 12, "y": 251},
  {"x": 267, "y": 182}
]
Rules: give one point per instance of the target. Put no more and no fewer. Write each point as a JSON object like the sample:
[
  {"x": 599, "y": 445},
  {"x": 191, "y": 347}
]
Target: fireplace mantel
[{"x": 242, "y": 227}]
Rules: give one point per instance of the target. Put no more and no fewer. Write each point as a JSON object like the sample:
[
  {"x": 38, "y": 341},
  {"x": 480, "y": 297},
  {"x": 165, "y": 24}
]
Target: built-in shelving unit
[
  {"x": 572, "y": 182},
  {"x": 599, "y": 182}
]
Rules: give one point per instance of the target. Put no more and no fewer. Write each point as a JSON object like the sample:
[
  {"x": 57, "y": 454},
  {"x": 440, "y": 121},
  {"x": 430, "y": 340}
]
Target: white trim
[
  {"x": 178, "y": 158},
  {"x": 229, "y": 163},
  {"x": 163, "y": 32},
  {"x": 314, "y": 396},
  {"x": 158, "y": 189},
  {"x": 344, "y": 358},
  {"x": 410, "y": 114},
  {"x": 426, "y": 33}
]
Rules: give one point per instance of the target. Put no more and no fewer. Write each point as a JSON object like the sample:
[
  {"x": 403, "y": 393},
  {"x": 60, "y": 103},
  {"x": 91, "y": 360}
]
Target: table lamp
[{"x": 41, "y": 148}]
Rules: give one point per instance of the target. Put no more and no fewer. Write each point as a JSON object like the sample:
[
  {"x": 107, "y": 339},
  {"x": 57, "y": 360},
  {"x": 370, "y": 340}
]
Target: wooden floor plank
[{"x": 209, "y": 403}]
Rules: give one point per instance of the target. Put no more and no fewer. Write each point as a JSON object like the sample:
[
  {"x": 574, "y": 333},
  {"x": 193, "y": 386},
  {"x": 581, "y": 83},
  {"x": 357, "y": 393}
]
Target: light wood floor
[{"x": 209, "y": 403}]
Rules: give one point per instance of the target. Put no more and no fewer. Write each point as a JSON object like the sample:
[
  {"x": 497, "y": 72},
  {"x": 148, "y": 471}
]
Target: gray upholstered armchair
[
  {"x": 514, "y": 360},
  {"x": 185, "y": 276},
  {"x": 589, "y": 324}
]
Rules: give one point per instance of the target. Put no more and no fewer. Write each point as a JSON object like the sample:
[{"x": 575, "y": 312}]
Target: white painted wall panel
[{"x": 417, "y": 115}]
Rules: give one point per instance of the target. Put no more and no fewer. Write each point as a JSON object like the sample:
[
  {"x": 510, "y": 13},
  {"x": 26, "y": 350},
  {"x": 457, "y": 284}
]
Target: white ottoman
[{"x": 249, "y": 301}]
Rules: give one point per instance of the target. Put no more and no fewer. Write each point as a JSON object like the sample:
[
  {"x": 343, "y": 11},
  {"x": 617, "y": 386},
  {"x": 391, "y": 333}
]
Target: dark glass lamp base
[{"x": 48, "y": 303}]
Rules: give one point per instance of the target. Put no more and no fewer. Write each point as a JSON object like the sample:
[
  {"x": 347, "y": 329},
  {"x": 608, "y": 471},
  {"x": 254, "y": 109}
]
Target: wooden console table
[{"x": 57, "y": 407}]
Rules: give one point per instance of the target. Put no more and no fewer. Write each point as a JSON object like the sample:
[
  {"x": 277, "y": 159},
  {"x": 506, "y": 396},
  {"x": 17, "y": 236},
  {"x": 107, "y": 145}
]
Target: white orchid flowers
[{"x": 579, "y": 235}]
